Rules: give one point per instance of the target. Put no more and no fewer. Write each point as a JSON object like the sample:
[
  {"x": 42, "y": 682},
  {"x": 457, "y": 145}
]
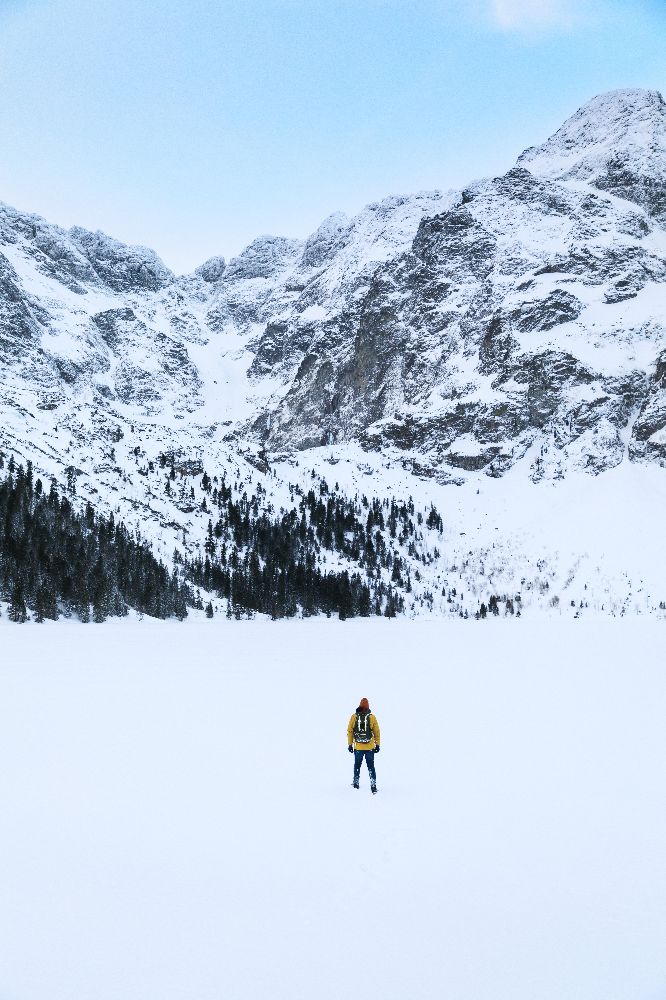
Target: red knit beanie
[{"x": 363, "y": 703}]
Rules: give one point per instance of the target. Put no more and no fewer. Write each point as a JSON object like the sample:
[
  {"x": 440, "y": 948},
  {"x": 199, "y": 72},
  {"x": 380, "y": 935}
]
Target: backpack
[{"x": 362, "y": 731}]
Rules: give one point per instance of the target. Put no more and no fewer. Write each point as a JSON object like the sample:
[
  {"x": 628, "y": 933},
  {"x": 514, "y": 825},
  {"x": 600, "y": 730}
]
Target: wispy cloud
[{"x": 534, "y": 15}]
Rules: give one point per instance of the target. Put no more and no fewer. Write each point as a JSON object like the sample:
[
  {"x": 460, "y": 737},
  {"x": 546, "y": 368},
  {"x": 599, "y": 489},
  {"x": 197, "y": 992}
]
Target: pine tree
[
  {"x": 17, "y": 609},
  {"x": 52, "y": 557}
]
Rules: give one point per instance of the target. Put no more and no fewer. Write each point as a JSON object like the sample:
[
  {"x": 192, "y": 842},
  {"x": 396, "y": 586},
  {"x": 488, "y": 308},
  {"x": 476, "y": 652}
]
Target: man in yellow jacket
[{"x": 363, "y": 741}]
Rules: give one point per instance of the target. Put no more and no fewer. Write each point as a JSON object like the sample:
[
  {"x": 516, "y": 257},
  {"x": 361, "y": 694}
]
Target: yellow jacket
[{"x": 374, "y": 726}]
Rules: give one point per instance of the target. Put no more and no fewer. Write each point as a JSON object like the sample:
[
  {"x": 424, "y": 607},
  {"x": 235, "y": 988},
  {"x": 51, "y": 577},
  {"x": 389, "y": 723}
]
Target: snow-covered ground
[
  {"x": 579, "y": 546},
  {"x": 178, "y": 821}
]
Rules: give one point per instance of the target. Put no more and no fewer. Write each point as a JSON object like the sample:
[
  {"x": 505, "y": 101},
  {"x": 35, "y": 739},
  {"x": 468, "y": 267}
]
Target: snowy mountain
[
  {"x": 616, "y": 143},
  {"x": 504, "y": 340}
]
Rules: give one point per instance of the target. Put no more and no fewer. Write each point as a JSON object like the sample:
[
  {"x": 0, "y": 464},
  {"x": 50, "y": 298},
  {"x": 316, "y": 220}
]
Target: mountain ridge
[{"x": 514, "y": 328}]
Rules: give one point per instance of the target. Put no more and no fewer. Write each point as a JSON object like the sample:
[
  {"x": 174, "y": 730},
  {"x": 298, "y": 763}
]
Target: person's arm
[
  {"x": 374, "y": 725},
  {"x": 350, "y": 731}
]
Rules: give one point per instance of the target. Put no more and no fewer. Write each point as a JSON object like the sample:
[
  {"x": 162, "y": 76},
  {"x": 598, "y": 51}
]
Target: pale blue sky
[{"x": 194, "y": 126}]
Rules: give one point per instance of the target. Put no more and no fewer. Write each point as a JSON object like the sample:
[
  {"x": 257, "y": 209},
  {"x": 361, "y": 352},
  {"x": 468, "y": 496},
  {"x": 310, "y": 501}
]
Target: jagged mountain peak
[
  {"x": 212, "y": 269},
  {"x": 320, "y": 246},
  {"x": 79, "y": 258},
  {"x": 634, "y": 118},
  {"x": 264, "y": 257},
  {"x": 616, "y": 142},
  {"x": 121, "y": 266},
  {"x": 623, "y": 99}
]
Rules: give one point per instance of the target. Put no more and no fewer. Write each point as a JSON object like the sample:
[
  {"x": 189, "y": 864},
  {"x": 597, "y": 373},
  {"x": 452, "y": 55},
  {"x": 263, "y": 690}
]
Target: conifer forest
[{"x": 326, "y": 554}]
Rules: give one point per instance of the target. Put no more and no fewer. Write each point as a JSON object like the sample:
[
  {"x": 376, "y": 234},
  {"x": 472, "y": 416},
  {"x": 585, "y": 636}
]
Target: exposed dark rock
[
  {"x": 212, "y": 269},
  {"x": 544, "y": 314},
  {"x": 621, "y": 180},
  {"x": 121, "y": 267},
  {"x": 322, "y": 245},
  {"x": 455, "y": 243},
  {"x": 497, "y": 346},
  {"x": 471, "y": 462},
  {"x": 182, "y": 463},
  {"x": 622, "y": 289},
  {"x": 263, "y": 258},
  {"x": 110, "y": 325},
  {"x": 648, "y": 440},
  {"x": 281, "y": 345},
  {"x": 18, "y": 325}
]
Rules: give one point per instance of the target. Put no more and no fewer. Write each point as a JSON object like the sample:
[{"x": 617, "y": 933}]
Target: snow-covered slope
[{"x": 511, "y": 332}]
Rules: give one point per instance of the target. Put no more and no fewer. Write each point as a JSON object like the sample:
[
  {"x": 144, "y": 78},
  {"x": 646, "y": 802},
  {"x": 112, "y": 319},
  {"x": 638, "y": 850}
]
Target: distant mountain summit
[{"x": 616, "y": 142}]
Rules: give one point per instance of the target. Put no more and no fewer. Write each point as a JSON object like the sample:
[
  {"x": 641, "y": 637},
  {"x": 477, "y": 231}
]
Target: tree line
[
  {"x": 56, "y": 560},
  {"x": 327, "y": 554},
  {"x": 277, "y": 563}
]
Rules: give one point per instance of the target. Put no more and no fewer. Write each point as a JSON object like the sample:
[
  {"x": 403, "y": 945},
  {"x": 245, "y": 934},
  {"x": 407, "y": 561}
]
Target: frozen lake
[{"x": 178, "y": 821}]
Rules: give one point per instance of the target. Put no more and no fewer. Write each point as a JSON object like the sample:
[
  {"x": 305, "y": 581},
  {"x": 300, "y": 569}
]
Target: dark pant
[{"x": 370, "y": 761}]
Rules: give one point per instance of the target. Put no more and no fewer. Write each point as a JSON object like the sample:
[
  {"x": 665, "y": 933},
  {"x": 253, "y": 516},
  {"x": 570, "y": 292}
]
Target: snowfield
[{"x": 178, "y": 821}]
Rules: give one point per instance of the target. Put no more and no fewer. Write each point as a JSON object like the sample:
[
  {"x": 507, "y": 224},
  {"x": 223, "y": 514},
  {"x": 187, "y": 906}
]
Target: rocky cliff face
[
  {"x": 516, "y": 323},
  {"x": 526, "y": 320}
]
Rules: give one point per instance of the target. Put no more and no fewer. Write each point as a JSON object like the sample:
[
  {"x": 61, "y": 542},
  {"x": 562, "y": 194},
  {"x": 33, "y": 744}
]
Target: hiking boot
[
  {"x": 355, "y": 784},
  {"x": 373, "y": 789}
]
